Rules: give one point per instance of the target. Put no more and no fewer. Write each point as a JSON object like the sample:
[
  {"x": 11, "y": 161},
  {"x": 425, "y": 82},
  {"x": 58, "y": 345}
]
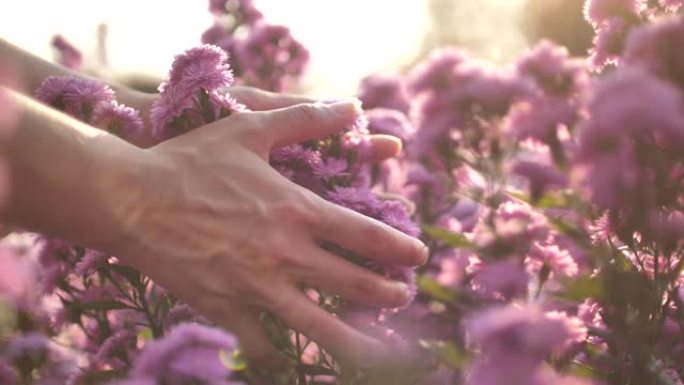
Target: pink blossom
[
  {"x": 384, "y": 91},
  {"x": 598, "y": 11}
]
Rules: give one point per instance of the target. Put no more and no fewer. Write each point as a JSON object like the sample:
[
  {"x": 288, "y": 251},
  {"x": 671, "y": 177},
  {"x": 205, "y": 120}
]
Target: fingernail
[
  {"x": 350, "y": 107},
  {"x": 424, "y": 253},
  {"x": 403, "y": 288}
]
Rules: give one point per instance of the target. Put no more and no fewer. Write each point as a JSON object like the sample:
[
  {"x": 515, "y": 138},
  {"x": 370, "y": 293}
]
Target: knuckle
[
  {"x": 299, "y": 207},
  {"x": 304, "y": 113},
  {"x": 365, "y": 286},
  {"x": 378, "y": 234}
]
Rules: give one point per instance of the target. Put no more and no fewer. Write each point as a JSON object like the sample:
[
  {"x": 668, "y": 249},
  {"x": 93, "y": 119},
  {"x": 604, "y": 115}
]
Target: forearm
[
  {"x": 68, "y": 179},
  {"x": 32, "y": 71}
]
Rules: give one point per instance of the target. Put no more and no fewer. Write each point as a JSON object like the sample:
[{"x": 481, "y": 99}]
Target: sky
[{"x": 347, "y": 38}]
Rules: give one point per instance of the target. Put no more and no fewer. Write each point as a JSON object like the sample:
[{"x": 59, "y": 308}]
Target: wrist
[{"x": 119, "y": 178}]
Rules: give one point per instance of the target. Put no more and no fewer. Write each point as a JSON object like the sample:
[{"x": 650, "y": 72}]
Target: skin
[{"x": 205, "y": 215}]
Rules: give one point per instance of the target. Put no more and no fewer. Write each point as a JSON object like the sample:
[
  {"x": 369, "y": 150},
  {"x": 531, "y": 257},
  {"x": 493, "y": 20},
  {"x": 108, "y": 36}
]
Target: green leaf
[
  {"x": 583, "y": 288},
  {"x": 447, "y": 237},
  {"x": 146, "y": 334},
  {"x": 277, "y": 333},
  {"x": 449, "y": 353},
  {"x": 547, "y": 201},
  {"x": 435, "y": 290},
  {"x": 233, "y": 360}
]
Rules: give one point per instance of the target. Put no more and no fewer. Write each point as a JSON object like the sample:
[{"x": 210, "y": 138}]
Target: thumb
[{"x": 309, "y": 121}]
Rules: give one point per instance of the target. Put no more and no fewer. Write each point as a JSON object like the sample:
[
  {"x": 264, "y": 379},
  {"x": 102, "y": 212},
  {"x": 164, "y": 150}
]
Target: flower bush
[{"x": 550, "y": 192}]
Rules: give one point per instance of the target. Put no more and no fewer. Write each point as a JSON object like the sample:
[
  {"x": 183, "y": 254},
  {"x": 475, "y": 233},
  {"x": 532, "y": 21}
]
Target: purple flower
[
  {"x": 295, "y": 156},
  {"x": 525, "y": 331},
  {"x": 68, "y": 55},
  {"x": 109, "y": 351},
  {"x": 190, "y": 353},
  {"x": 650, "y": 47},
  {"x": 271, "y": 57},
  {"x": 632, "y": 116},
  {"x": 361, "y": 200},
  {"x": 436, "y": 72},
  {"x": 384, "y": 91},
  {"x": 609, "y": 42},
  {"x": 204, "y": 67},
  {"x": 118, "y": 119},
  {"x": 389, "y": 122},
  {"x": 506, "y": 279},
  {"x": 511, "y": 231},
  {"x": 558, "y": 261},
  {"x": 78, "y": 97},
  {"x": 330, "y": 168},
  {"x": 191, "y": 95},
  {"x": 540, "y": 119},
  {"x": 90, "y": 261},
  {"x": 395, "y": 214},
  {"x": 552, "y": 69},
  {"x": 243, "y": 11},
  {"x": 540, "y": 176},
  {"x": 182, "y": 313},
  {"x": 598, "y": 11},
  {"x": 166, "y": 110},
  {"x": 221, "y": 37}
]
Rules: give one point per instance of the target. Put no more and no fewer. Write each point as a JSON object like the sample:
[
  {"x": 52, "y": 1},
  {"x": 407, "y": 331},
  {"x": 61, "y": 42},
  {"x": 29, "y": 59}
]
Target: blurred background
[{"x": 348, "y": 39}]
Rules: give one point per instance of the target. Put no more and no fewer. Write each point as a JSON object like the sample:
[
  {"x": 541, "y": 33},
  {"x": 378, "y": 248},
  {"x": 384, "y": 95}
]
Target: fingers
[
  {"x": 255, "y": 345},
  {"x": 341, "y": 340},
  {"x": 243, "y": 322},
  {"x": 336, "y": 275},
  {"x": 260, "y": 100},
  {"x": 370, "y": 238},
  {"x": 304, "y": 122},
  {"x": 384, "y": 147}
]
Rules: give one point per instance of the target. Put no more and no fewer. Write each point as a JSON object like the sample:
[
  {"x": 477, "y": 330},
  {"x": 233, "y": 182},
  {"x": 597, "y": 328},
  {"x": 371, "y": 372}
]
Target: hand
[{"x": 223, "y": 231}]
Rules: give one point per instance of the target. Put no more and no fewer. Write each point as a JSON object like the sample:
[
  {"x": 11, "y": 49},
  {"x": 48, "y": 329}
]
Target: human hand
[{"x": 223, "y": 231}]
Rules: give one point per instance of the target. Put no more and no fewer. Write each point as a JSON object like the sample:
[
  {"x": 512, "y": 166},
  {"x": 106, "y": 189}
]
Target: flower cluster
[
  {"x": 261, "y": 54},
  {"x": 550, "y": 192}
]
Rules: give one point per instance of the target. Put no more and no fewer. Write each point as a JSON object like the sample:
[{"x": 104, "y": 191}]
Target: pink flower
[
  {"x": 118, "y": 119},
  {"x": 632, "y": 115},
  {"x": 384, "y": 91},
  {"x": 552, "y": 69},
  {"x": 598, "y": 11},
  {"x": 190, "y": 353},
  {"x": 650, "y": 47},
  {"x": 68, "y": 55},
  {"x": 204, "y": 67},
  {"x": 389, "y": 122},
  {"x": 610, "y": 40},
  {"x": 558, "y": 261}
]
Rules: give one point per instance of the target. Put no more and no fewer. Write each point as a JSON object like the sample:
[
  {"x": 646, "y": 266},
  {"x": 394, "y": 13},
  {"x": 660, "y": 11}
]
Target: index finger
[
  {"x": 370, "y": 238},
  {"x": 260, "y": 100}
]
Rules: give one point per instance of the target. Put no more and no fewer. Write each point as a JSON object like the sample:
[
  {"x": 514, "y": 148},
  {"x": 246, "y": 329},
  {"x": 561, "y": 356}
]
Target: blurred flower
[
  {"x": 190, "y": 353},
  {"x": 271, "y": 57},
  {"x": 384, "y": 91},
  {"x": 598, "y": 11},
  {"x": 552, "y": 69},
  {"x": 632, "y": 116},
  {"x": 650, "y": 47},
  {"x": 67, "y": 55},
  {"x": 389, "y": 122}
]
